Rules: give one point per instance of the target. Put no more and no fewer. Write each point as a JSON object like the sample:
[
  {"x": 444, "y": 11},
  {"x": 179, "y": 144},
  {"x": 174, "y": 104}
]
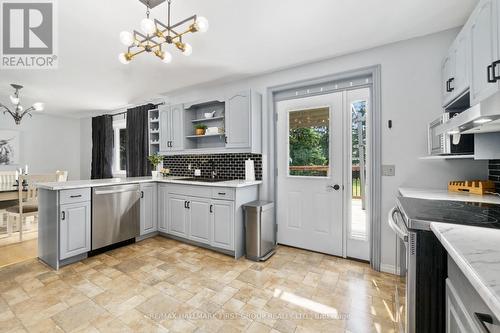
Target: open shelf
[
  {"x": 448, "y": 157},
  {"x": 201, "y": 120},
  {"x": 204, "y": 136}
]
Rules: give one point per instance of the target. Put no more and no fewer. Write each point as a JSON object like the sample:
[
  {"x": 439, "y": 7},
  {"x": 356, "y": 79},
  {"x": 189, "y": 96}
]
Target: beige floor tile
[{"x": 161, "y": 285}]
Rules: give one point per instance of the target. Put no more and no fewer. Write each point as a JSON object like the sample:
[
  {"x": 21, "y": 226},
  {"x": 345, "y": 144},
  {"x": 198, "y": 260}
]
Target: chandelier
[
  {"x": 155, "y": 35},
  {"x": 18, "y": 112}
]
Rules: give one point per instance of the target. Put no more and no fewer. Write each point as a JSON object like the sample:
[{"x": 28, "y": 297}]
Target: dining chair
[
  {"x": 28, "y": 200},
  {"x": 6, "y": 178},
  {"x": 62, "y": 176}
]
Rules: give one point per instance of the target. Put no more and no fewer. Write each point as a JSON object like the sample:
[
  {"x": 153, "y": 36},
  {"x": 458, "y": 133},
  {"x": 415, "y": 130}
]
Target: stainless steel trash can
[{"x": 260, "y": 233}]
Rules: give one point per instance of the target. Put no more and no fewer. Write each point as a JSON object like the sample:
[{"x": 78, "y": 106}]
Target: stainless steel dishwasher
[{"x": 115, "y": 214}]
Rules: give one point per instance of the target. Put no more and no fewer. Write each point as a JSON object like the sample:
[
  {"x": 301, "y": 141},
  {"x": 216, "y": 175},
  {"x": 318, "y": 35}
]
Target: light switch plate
[{"x": 388, "y": 170}]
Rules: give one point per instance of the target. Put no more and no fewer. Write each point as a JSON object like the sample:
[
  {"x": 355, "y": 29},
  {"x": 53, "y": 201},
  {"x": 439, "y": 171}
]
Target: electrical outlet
[{"x": 388, "y": 170}]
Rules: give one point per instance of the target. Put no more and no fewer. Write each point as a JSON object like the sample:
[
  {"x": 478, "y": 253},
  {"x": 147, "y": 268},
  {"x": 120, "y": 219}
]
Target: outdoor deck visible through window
[
  {"x": 309, "y": 143},
  {"x": 358, "y": 225}
]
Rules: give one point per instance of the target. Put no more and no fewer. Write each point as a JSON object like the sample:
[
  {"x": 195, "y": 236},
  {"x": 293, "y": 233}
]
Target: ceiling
[{"x": 245, "y": 38}]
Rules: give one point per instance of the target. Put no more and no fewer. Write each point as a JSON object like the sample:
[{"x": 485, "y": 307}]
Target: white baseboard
[{"x": 391, "y": 269}]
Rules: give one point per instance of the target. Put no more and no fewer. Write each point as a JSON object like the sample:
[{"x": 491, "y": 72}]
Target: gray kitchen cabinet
[
  {"x": 149, "y": 211},
  {"x": 455, "y": 69},
  {"x": 457, "y": 319},
  {"x": 74, "y": 224},
  {"x": 482, "y": 29},
  {"x": 163, "y": 208},
  {"x": 222, "y": 215},
  {"x": 177, "y": 215},
  {"x": 210, "y": 217},
  {"x": 199, "y": 220},
  {"x": 238, "y": 120},
  {"x": 171, "y": 128}
]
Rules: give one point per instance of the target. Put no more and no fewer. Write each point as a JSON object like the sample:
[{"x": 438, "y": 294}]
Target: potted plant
[
  {"x": 156, "y": 161},
  {"x": 199, "y": 129}
]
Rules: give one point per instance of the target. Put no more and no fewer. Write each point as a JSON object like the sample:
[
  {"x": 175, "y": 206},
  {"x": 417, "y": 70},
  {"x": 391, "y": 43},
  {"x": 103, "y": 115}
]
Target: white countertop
[
  {"x": 72, "y": 184},
  {"x": 476, "y": 252},
  {"x": 433, "y": 194}
]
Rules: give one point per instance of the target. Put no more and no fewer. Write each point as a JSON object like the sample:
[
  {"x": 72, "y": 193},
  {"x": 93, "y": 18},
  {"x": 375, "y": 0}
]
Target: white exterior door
[{"x": 310, "y": 172}]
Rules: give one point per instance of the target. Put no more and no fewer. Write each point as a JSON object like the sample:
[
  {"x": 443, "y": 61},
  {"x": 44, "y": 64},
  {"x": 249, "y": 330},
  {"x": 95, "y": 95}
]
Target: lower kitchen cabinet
[
  {"x": 457, "y": 319},
  {"x": 74, "y": 229},
  {"x": 223, "y": 223},
  {"x": 163, "y": 208},
  {"x": 207, "y": 216},
  {"x": 198, "y": 215},
  {"x": 149, "y": 211},
  {"x": 177, "y": 215}
]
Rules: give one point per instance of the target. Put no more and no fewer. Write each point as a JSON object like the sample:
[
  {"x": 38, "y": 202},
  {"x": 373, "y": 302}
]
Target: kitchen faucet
[{"x": 213, "y": 171}]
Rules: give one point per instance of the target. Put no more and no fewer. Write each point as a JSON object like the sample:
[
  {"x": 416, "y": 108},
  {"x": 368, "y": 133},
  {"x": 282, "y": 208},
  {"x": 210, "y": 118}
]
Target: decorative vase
[
  {"x": 199, "y": 131},
  {"x": 154, "y": 174}
]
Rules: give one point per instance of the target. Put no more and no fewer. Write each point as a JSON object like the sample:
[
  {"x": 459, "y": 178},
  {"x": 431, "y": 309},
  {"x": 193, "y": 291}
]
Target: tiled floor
[
  {"x": 160, "y": 285},
  {"x": 18, "y": 252}
]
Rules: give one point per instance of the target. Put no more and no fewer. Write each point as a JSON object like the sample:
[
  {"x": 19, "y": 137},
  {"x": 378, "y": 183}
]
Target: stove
[{"x": 419, "y": 213}]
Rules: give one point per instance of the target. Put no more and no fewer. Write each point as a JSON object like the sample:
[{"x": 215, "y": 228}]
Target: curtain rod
[{"x": 125, "y": 112}]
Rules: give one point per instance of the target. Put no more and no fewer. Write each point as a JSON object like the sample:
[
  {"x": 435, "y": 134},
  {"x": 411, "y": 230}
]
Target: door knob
[{"x": 335, "y": 187}]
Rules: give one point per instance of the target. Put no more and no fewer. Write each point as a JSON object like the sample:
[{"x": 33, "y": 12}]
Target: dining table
[{"x": 9, "y": 192}]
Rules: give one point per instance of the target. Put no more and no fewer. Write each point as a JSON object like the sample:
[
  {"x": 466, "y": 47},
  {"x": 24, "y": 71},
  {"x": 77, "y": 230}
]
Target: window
[
  {"x": 309, "y": 142},
  {"x": 120, "y": 148}
]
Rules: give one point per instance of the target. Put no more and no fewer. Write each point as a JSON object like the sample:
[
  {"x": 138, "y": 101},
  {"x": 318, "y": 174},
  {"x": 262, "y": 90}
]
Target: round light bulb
[
  {"x": 126, "y": 38},
  {"x": 188, "y": 50},
  {"x": 202, "y": 24},
  {"x": 38, "y": 106},
  {"x": 166, "y": 57},
  {"x": 148, "y": 26},
  {"x": 123, "y": 58},
  {"x": 14, "y": 100},
  {"x": 19, "y": 108}
]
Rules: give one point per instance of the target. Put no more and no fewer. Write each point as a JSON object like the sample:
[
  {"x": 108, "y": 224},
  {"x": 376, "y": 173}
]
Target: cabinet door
[
  {"x": 223, "y": 224},
  {"x": 163, "y": 216},
  {"x": 177, "y": 215},
  {"x": 165, "y": 121},
  {"x": 457, "y": 319},
  {"x": 461, "y": 64},
  {"x": 199, "y": 220},
  {"x": 446, "y": 67},
  {"x": 74, "y": 229},
  {"x": 482, "y": 51},
  {"x": 238, "y": 120},
  {"x": 149, "y": 211},
  {"x": 177, "y": 127}
]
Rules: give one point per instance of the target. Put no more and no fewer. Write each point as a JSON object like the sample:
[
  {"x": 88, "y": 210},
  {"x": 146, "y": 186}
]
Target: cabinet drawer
[
  {"x": 223, "y": 193},
  {"x": 72, "y": 196},
  {"x": 190, "y": 190}
]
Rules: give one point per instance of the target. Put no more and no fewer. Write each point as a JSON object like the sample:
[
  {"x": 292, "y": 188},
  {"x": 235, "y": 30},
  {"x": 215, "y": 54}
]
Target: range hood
[{"x": 481, "y": 118}]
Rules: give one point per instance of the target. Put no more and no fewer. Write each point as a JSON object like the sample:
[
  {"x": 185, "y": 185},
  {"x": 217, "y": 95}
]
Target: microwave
[{"x": 443, "y": 144}]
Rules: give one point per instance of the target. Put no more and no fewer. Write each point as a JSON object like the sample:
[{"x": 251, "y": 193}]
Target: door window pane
[
  {"x": 309, "y": 142},
  {"x": 358, "y": 174}
]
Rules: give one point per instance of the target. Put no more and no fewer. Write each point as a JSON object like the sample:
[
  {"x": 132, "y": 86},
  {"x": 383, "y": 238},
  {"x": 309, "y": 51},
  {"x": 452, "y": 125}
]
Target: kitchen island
[{"x": 206, "y": 213}]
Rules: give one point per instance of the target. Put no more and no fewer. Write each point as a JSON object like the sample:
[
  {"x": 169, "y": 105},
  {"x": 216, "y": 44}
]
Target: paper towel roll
[{"x": 249, "y": 170}]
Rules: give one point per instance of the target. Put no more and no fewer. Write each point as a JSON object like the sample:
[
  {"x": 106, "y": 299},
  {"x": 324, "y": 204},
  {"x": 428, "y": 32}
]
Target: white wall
[
  {"x": 48, "y": 143},
  {"x": 410, "y": 98}
]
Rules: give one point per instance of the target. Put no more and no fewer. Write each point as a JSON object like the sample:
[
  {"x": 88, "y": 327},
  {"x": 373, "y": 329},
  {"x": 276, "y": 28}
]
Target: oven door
[{"x": 396, "y": 222}]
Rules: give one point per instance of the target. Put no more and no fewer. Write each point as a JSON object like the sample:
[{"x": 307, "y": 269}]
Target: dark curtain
[
  {"x": 138, "y": 141},
  {"x": 102, "y": 147}
]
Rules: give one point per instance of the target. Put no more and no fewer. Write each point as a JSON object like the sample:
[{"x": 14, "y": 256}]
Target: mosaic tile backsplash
[
  {"x": 230, "y": 166},
  {"x": 494, "y": 172}
]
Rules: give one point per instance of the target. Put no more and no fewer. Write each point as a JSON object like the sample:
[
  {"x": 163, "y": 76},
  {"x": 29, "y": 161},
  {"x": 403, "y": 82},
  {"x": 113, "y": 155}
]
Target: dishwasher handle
[
  {"x": 116, "y": 191},
  {"x": 394, "y": 225}
]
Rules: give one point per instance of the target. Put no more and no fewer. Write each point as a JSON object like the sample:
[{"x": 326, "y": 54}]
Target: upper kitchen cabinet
[
  {"x": 243, "y": 113},
  {"x": 483, "y": 31},
  {"x": 171, "y": 128},
  {"x": 455, "y": 69}
]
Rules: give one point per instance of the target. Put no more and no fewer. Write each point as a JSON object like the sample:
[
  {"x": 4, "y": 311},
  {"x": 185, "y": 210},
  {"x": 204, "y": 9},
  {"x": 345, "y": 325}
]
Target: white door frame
[{"x": 375, "y": 146}]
